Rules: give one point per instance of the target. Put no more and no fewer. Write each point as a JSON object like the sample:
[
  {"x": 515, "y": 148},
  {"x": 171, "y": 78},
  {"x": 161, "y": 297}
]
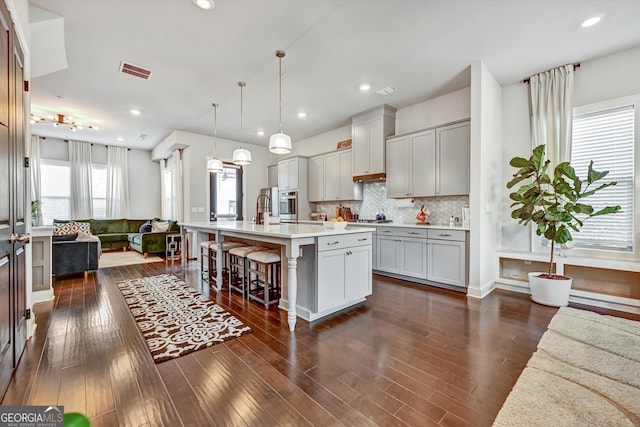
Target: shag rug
[
  {"x": 117, "y": 258},
  {"x": 175, "y": 319},
  {"x": 586, "y": 372}
]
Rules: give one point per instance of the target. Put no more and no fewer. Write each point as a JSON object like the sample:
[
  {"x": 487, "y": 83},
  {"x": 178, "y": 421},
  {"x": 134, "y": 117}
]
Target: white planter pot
[{"x": 553, "y": 292}]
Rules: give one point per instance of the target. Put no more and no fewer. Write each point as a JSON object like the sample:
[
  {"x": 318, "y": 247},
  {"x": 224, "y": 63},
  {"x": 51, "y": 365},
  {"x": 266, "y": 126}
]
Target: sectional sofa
[{"x": 125, "y": 233}]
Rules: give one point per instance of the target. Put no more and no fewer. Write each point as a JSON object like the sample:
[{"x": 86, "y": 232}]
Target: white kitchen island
[{"x": 333, "y": 271}]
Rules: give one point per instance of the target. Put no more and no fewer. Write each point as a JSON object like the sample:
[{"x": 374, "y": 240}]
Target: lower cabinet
[
  {"x": 344, "y": 273},
  {"x": 399, "y": 254},
  {"x": 447, "y": 257}
]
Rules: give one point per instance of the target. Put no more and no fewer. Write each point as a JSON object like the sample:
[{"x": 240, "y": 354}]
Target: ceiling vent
[
  {"x": 386, "y": 90},
  {"x": 134, "y": 70}
]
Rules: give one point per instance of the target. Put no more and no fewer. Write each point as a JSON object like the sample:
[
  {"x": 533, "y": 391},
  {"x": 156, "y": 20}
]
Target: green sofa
[{"x": 125, "y": 233}]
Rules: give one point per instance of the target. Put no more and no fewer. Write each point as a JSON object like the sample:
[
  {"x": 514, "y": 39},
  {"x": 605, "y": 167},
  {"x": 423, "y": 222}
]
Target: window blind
[
  {"x": 55, "y": 191},
  {"x": 607, "y": 138},
  {"x": 99, "y": 190}
]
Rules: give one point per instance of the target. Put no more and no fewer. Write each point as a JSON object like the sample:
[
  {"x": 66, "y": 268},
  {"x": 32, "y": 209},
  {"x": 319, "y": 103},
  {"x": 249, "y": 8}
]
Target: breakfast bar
[{"x": 335, "y": 272}]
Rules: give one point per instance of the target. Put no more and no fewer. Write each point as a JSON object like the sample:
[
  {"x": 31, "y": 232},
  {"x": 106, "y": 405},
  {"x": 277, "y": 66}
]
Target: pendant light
[
  {"x": 215, "y": 164},
  {"x": 241, "y": 156},
  {"x": 280, "y": 143}
]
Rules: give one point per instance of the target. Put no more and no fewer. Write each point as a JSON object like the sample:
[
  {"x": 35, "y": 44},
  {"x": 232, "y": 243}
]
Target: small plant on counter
[
  {"x": 35, "y": 208},
  {"x": 553, "y": 203}
]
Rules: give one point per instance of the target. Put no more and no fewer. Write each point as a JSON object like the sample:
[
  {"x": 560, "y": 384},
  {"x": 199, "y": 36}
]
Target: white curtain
[
  {"x": 34, "y": 166},
  {"x": 117, "y": 182},
  {"x": 165, "y": 207},
  {"x": 552, "y": 112},
  {"x": 177, "y": 190},
  {"x": 80, "y": 171}
]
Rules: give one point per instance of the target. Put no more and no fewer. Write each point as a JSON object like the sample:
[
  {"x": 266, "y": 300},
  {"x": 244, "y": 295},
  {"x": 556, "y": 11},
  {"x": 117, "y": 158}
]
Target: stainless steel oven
[{"x": 288, "y": 206}]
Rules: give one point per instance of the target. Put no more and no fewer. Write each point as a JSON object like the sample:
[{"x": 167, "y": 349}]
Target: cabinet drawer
[
  {"x": 446, "y": 234},
  {"x": 327, "y": 243},
  {"x": 419, "y": 233}
]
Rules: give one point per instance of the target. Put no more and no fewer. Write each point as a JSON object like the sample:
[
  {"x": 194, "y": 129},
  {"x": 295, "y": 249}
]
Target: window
[
  {"x": 226, "y": 193},
  {"x": 606, "y": 136},
  {"x": 55, "y": 190},
  {"x": 167, "y": 197},
  {"x": 55, "y": 177}
]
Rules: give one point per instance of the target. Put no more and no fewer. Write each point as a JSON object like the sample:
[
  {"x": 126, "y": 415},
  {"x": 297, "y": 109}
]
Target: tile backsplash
[{"x": 374, "y": 200}]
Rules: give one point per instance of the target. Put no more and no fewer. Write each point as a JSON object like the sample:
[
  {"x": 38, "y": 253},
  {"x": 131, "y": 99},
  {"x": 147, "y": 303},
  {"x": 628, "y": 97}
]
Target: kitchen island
[{"x": 327, "y": 269}]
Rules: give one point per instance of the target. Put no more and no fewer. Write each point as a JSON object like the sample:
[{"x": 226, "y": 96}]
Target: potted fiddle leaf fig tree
[{"x": 555, "y": 205}]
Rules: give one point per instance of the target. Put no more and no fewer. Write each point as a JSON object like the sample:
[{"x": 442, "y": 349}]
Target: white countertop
[
  {"x": 288, "y": 231},
  {"x": 42, "y": 231},
  {"x": 394, "y": 224}
]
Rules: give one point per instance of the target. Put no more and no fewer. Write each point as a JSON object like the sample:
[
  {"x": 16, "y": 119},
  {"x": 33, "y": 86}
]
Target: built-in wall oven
[{"x": 288, "y": 206}]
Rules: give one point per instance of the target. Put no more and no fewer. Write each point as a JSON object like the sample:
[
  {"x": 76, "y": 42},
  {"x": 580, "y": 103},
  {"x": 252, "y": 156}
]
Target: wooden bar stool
[
  {"x": 204, "y": 253},
  {"x": 238, "y": 268},
  {"x": 264, "y": 276},
  {"x": 213, "y": 250}
]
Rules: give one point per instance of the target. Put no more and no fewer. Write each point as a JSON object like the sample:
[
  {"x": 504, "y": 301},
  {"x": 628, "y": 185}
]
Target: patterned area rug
[
  {"x": 175, "y": 319},
  {"x": 586, "y": 372}
]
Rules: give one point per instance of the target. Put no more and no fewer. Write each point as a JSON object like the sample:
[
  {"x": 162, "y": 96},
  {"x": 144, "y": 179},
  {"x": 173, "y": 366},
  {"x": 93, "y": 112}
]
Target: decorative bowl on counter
[{"x": 337, "y": 225}]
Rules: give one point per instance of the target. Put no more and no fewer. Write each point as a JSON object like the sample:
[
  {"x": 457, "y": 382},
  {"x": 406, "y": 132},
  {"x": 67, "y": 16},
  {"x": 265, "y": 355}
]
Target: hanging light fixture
[
  {"x": 215, "y": 164},
  {"x": 241, "y": 156},
  {"x": 280, "y": 143}
]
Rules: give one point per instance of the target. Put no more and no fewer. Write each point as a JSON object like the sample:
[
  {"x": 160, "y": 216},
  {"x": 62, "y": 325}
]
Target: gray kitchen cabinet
[
  {"x": 344, "y": 273},
  {"x": 453, "y": 151},
  {"x": 370, "y": 128},
  {"x": 288, "y": 174},
  {"x": 272, "y": 176},
  {"x": 331, "y": 179},
  {"x": 411, "y": 165},
  {"x": 432, "y": 162},
  {"x": 402, "y": 251},
  {"x": 447, "y": 257}
]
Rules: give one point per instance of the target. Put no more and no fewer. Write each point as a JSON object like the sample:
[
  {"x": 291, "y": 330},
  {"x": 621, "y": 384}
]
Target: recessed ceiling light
[
  {"x": 365, "y": 87},
  {"x": 135, "y": 112},
  {"x": 120, "y": 139},
  {"x": 260, "y": 133},
  {"x": 591, "y": 21},
  {"x": 302, "y": 114},
  {"x": 204, "y": 4}
]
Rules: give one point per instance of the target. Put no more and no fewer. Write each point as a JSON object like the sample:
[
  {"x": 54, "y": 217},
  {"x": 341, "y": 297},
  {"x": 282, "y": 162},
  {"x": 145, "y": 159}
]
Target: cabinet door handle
[
  {"x": 386, "y": 231},
  {"x": 444, "y": 234},
  {"x": 364, "y": 239},
  {"x": 332, "y": 243},
  {"x": 414, "y": 232},
  {"x": 349, "y": 253}
]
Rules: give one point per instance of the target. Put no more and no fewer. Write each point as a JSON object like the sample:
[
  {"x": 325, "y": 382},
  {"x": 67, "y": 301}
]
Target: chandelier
[{"x": 62, "y": 120}]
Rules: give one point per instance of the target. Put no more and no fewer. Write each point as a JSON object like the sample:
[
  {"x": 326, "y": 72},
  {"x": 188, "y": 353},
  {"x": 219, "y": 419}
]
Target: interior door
[{"x": 13, "y": 235}]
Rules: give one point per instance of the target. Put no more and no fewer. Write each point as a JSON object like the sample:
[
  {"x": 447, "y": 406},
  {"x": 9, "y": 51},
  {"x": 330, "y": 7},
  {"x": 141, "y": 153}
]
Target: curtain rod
[
  {"x": 528, "y": 79},
  {"x": 128, "y": 149}
]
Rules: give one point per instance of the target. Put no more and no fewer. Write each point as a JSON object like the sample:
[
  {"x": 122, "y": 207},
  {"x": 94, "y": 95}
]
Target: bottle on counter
[{"x": 452, "y": 221}]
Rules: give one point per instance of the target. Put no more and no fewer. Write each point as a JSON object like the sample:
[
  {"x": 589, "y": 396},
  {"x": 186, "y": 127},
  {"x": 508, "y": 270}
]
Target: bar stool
[
  {"x": 264, "y": 266},
  {"x": 238, "y": 268},
  {"x": 213, "y": 260},
  {"x": 204, "y": 253}
]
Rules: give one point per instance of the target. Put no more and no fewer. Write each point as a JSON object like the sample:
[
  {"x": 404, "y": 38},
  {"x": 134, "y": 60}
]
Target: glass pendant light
[
  {"x": 241, "y": 156},
  {"x": 280, "y": 143},
  {"x": 215, "y": 164}
]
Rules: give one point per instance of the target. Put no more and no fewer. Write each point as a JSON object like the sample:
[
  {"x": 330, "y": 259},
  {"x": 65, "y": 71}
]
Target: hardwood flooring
[{"x": 411, "y": 355}]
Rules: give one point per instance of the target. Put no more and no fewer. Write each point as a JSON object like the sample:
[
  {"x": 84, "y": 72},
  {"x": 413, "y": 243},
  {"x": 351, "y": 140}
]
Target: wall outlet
[
  {"x": 200, "y": 210},
  {"x": 194, "y": 210}
]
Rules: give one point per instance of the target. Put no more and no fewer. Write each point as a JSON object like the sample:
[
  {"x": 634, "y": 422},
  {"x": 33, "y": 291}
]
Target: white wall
[
  {"x": 486, "y": 178},
  {"x": 450, "y": 107},
  {"x": 606, "y": 78},
  {"x": 198, "y": 149},
  {"x": 144, "y": 175}
]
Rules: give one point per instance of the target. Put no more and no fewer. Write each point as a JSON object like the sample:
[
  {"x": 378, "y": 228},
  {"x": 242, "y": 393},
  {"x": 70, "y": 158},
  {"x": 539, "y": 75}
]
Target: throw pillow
[
  {"x": 64, "y": 237},
  {"x": 159, "y": 226},
  {"x": 61, "y": 229},
  {"x": 145, "y": 228},
  {"x": 85, "y": 227}
]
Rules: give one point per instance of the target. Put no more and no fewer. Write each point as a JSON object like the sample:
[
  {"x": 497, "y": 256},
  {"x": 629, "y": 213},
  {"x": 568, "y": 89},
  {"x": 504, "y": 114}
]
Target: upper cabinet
[
  {"x": 290, "y": 171},
  {"x": 433, "y": 162},
  {"x": 331, "y": 178},
  {"x": 370, "y": 128},
  {"x": 272, "y": 176},
  {"x": 411, "y": 165}
]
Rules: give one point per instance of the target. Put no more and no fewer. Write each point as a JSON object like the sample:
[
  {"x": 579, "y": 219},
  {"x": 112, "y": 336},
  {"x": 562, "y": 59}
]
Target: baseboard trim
[{"x": 481, "y": 291}]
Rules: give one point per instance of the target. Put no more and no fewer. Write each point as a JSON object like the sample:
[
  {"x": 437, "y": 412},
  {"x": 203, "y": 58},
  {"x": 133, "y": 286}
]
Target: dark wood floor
[{"x": 411, "y": 355}]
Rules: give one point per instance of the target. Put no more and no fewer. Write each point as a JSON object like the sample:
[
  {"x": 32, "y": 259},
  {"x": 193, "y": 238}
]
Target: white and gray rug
[
  {"x": 175, "y": 319},
  {"x": 586, "y": 372}
]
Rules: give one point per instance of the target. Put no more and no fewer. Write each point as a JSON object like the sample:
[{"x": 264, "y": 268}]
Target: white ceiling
[{"x": 423, "y": 48}]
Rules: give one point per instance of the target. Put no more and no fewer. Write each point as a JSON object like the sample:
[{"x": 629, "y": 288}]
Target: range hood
[{"x": 370, "y": 177}]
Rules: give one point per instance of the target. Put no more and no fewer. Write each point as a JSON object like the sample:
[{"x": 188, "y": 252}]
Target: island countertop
[{"x": 287, "y": 231}]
